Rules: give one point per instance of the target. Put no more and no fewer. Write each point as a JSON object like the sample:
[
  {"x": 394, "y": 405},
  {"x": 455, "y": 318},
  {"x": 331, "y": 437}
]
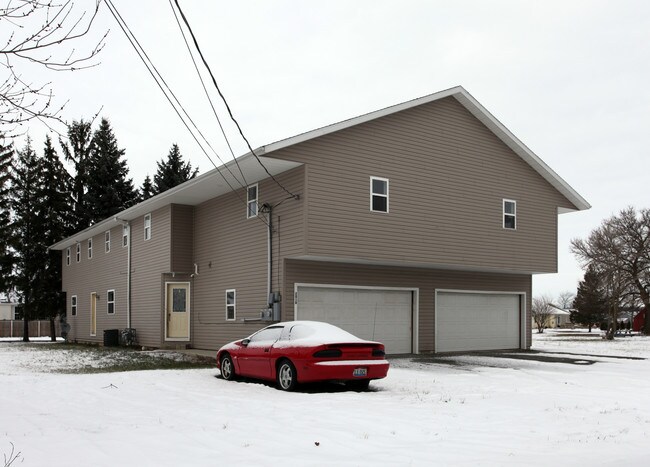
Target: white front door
[{"x": 177, "y": 311}]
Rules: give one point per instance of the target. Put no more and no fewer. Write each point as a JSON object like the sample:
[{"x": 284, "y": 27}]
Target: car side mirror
[{"x": 245, "y": 342}]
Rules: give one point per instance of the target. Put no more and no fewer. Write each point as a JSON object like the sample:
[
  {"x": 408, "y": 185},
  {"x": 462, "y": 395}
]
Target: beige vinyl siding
[
  {"x": 182, "y": 239},
  {"x": 426, "y": 280},
  {"x": 231, "y": 253},
  {"x": 105, "y": 271},
  {"x": 448, "y": 176},
  {"x": 150, "y": 259}
]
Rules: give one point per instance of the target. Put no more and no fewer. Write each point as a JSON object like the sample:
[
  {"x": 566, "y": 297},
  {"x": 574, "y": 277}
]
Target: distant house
[
  {"x": 419, "y": 225},
  {"x": 8, "y": 311},
  {"x": 639, "y": 321}
]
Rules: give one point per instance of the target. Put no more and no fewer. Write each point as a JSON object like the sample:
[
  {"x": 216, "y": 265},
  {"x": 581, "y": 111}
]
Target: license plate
[{"x": 359, "y": 372}]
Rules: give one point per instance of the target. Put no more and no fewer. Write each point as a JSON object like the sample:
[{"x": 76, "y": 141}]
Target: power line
[
  {"x": 207, "y": 94},
  {"x": 124, "y": 27},
  {"x": 214, "y": 81}
]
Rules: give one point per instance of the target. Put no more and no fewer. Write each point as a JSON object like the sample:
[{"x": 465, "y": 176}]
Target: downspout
[
  {"x": 270, "y": 255},
  {"x": 128, "y": 277}
]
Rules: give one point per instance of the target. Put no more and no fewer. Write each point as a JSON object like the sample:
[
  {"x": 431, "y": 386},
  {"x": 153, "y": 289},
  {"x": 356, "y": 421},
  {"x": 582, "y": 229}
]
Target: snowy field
[{"x": 575, "y": 400}]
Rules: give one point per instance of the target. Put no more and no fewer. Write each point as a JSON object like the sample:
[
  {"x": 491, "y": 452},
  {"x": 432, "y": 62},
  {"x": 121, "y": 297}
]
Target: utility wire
[
  {"x": 214, "y": 81},
  {"x": 207, "y": 94},
  {"x": 124, "y": 27}
]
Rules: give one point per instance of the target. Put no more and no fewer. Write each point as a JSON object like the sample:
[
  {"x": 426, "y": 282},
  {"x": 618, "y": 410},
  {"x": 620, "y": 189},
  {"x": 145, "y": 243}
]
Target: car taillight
[
  {"x": 378, "y": 353},
  {"x": 328, "y": 353}
]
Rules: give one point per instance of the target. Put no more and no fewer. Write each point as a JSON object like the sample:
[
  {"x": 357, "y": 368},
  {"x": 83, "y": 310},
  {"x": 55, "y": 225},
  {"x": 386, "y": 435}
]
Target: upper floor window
[
  {"x": 378, "y": 194},
  {"x": 67, "y": 257},
  {"x": 107, "y": 241},
  {"x": 73, "y": 305},
  {"x": 90, "y": 248},
  {"x": 125, "y": 235},
  {"x": 147, "y": 227},
  {"x": 509, "y": 214},
  {"x": 78, "y": 252},
  {"x": 110, "y": 302},
  {"x": 231, "y": 313},
  {"x": 251, "y": 205}
]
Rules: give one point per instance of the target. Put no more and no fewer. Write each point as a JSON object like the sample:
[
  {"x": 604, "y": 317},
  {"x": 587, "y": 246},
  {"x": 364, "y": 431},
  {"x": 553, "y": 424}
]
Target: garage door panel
[
  {"x": 373, "y": 314},
  {"x": 477, "y": 321}
]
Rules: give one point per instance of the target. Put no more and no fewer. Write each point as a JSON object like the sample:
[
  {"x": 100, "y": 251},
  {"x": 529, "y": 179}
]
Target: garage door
[
  {"x": 477, "y": 321},
  {"x": 380, "y": 315}
]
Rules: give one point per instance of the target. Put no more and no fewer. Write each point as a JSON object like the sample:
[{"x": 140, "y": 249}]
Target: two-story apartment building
[{"x": 419, "y": 225}]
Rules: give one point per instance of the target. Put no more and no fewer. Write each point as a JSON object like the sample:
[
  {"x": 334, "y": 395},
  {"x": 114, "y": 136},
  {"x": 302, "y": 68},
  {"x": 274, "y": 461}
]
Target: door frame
[
  {"x": 189, "y": 309},
  {"x": 93, "y": 313},
  {"x": 415, "y": 305},
  {"x": 522, "y": 310}
]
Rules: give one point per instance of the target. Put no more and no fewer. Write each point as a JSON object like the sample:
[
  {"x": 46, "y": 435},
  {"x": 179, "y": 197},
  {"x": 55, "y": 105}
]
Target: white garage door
[
  {"x": 477, "y": 321},
  {"x": 379, "y": 315}
]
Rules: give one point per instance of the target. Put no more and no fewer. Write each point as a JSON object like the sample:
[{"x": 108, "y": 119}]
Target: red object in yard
[
  {"x": 639, "y": 320},
  {"x": 301, "y": 352}
]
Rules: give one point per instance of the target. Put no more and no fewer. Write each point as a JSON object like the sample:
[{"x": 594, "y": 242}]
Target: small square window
[
  {"x": 251, "y": 205},
  {"x": 78, "y": 252},
  {"x": 509, "y": 214},
  {"x": 378, "y": 194},
  {"x": 107, "y": 241},
  {"x": 90, "y": 248},
  {"x": 110, "y": 302},
  {"x": 125, "y": 235},
  {"x": 147, "y": 227},
  {"x": 67, "y": 257},
  {"x": 231, "y": 304},
  {"x": 73, "y": 305}
]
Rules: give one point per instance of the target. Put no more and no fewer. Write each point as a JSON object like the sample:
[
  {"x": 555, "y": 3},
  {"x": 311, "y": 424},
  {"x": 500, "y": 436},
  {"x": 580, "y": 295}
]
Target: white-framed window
[
  {"x": 125, "y": 235},
  {"x": 67, "y": 257},
  {"x": 90, "y": 248},
  {"x": 107, "y": 241},
  {"x": 78, "y": 252},
  {"x": 378, "y": 194},
  {"x": 509, "y": 214},
  {"x": 73, "y": 305},
  {"x": 251, "y": 204},
  {"x": 110, "y": 302},
  {"x": 147, "y": 227},
  {"x": 231, "y": 301}
]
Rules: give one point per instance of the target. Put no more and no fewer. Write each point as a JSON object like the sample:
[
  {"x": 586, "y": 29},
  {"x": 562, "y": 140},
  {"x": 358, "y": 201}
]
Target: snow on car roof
[{"x": 316, "y": 332}]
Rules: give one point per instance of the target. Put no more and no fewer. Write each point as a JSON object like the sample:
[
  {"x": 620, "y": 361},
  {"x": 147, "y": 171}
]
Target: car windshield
[{"x": 268, "y": 334}]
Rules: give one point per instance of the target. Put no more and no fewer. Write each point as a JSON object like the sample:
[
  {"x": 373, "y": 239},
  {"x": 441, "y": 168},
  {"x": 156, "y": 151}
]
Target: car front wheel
[
  {"x": 286, "y": 376},
  {"x": 227, "y": 368}
]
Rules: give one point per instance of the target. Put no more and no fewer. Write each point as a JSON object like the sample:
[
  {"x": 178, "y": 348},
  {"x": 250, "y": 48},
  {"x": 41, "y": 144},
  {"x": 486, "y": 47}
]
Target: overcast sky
[{"x": 568, "y": 78}]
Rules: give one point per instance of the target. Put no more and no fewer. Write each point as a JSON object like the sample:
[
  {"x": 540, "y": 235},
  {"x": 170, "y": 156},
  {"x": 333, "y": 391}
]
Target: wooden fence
[{"x": 14, "y": 328}]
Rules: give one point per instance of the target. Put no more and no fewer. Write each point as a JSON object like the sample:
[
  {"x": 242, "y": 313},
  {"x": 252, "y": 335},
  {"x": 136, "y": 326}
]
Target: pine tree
[
  {"x": 6, "y": 253},
  {"x": 173, "y": 171},
  {"x": 590, "y": 304},
  {"x": 78, "y": 152},
  {"x": 55, "y": 185},
  {"x": 109, "y": 189},
  {"x": 29, "y": 226},
  {"x": 146, "y": 190}
]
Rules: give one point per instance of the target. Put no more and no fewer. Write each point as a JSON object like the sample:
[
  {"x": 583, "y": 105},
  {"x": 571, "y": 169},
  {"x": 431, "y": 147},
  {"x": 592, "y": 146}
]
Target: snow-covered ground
[{"x": 575, "y": 400}]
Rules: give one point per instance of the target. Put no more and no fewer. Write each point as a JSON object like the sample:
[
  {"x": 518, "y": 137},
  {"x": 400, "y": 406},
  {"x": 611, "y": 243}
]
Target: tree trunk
[
  {"x": 52, "y": 330},
  {"x": 589, "y": 327},
  {"x": 25, "y": 325}
]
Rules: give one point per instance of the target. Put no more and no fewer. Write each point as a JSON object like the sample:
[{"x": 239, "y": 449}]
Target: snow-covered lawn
[{"x": 575, "y": 400}]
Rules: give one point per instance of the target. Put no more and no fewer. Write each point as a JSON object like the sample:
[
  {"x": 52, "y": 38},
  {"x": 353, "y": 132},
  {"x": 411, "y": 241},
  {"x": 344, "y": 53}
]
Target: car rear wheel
[
  {"x": 227, "y": 368},
  {"x": 286, "y": 376}
]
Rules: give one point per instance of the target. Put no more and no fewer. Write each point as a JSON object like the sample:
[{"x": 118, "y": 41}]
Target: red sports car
[{"x": 304, "y": 351}]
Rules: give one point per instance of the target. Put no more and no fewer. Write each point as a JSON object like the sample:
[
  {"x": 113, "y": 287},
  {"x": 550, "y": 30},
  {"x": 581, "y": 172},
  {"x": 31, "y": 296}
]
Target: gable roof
[
  {"x": 213, "y": 183},
  {"x": 475, "y": 108}
]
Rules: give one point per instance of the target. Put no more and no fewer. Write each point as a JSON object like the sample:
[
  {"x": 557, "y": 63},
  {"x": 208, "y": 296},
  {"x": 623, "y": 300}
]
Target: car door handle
[{"x": 267, "y": 350}]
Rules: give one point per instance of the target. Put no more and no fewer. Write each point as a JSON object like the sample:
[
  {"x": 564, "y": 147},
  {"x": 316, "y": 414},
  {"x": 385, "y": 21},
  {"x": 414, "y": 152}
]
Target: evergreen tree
[
  {"x": 173, "y": 171},
  {"x": 55, "y": 185},
  {"x": 109, "y": 189},
  {"x": 78, "y": 151},
  {"x": 6, "y": 254},
  {"x": 590, "y": 304},
  {"x": 147, "y": 190},
  {"x": 29, "y": 226}
]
